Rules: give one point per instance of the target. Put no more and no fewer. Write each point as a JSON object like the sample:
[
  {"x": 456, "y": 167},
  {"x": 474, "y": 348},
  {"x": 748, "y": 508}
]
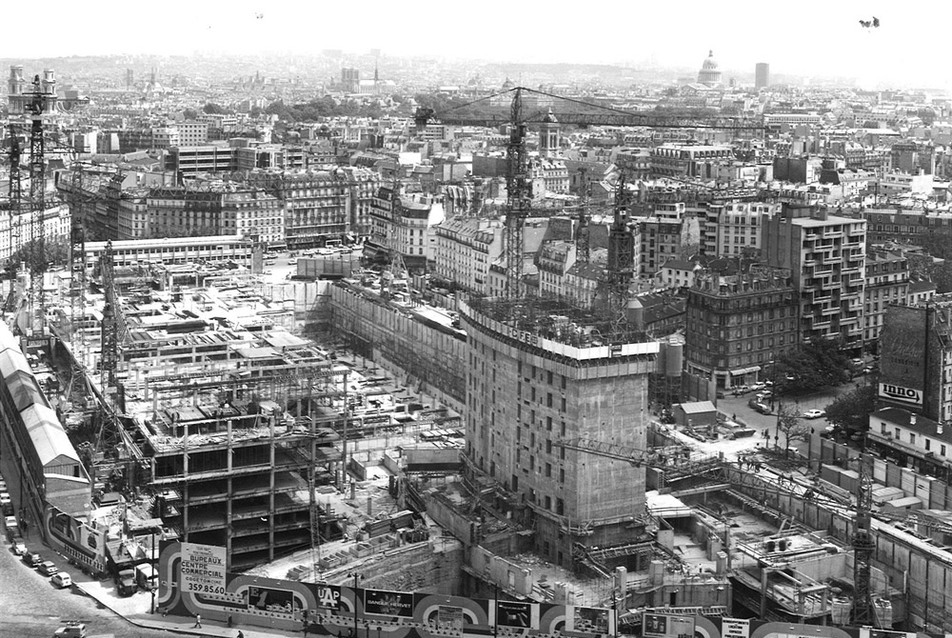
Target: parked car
[
  {"x": 18, "y": 547},
  {"x": 47, "y": 568},
  {"x": 72, "y": 630},
  {"x": 62, "y": 580},
  {"x": 32, "y": 559},
  {"x": 758, "y": 386},
  {"x": 763, "y": 408},
  {"x": 813, "y": 414}
]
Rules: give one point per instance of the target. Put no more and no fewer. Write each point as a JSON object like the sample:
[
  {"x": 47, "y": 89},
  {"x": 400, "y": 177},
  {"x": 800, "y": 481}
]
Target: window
[
  {"x": 912, "y": 438},
  {"x": 942, "y": 450},
  {"x": 928, "y": 444}
]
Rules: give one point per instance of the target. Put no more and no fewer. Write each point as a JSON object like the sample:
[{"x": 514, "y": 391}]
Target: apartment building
[
  {"x": 15, "y": 229},
  {"x": 688, "y": 160},
  {"x": 912, "y": 225},
  {"x": 916, "y": 358},
  {"x": 407, "y": 224},
  {"x": 826, "y": 256},
  {"x": 908, "y": 439},
  {"x": 319, "y": 205},
  {"x": 192, "y": 133},
  {"x": 734, "y": 229},
  {"x": 737, "y": 325},
  {"x": 553, "y": 174},
  {"x": 178, "y": 212},
  {"x": 581, "y": 283},
  {"x": 465, "y": 247},
  {"x": 660, "y": 241},
  {"x": 554, "y": 260},
  {"x": 887, "y": 283}
]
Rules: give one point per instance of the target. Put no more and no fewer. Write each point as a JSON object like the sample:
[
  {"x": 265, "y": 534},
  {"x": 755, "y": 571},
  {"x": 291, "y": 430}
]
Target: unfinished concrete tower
[{"x": 535, "y": 381}]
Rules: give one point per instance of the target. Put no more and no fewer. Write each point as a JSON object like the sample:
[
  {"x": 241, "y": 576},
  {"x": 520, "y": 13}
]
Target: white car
[
  {"x": 62, "y": 580},
  {"x": 813, "y": 414}
]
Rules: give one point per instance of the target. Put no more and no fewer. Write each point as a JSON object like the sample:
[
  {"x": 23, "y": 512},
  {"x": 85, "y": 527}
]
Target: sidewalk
[{"x": 136, "y": 609}]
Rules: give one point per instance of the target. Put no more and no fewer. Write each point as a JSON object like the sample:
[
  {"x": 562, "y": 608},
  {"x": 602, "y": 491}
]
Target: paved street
[{"x": 31, "y": 607}]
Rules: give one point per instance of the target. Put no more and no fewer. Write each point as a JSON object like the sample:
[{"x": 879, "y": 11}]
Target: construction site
[{"x": 503, "y": 449}]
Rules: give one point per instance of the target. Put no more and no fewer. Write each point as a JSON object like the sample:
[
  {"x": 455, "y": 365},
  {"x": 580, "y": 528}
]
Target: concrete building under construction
[{"x": 538, "y": 381}]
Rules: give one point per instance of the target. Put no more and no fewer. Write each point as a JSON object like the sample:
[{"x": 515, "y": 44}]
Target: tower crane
[
  {"x": 14, "y": 204},
  {"x": 863, "y": 544},
  {"x": 519, "y": 195},
  {"x": 583, "y": 246},
  {"x": 37, "y": 107}
]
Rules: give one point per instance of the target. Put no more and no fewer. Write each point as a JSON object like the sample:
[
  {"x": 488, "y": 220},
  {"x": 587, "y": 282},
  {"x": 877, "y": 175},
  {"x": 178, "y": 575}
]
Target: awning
[{"x": 742, "y": 371}]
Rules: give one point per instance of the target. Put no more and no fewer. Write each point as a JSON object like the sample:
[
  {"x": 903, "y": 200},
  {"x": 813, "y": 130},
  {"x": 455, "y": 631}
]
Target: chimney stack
[
  {"x": 939, "y": 428},
  {"x": 912, "y": 419}
]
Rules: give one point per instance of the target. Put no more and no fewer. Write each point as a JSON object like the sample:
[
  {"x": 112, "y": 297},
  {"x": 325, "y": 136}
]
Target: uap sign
[{"x": 900, "y": 393}]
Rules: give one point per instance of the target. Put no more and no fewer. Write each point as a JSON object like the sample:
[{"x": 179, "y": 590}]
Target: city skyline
[{"x": 815, "y": 40}]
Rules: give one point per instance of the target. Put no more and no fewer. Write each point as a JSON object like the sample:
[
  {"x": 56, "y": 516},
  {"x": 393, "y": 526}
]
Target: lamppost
[{"x": 810, "y": 450}]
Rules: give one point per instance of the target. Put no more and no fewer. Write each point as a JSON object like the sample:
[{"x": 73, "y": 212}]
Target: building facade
[
  {"x": 887, "y": 282},
  {"x": 916, "y": 358},
  {"x": 524, "y": 394},
  {"x": 736, "y": 326},
  {"x": 734, "y": 229},
  {"x": 688, "y": 160},
  {"x": 465, "y": 248},
  {"x": 826, "y": 256}
]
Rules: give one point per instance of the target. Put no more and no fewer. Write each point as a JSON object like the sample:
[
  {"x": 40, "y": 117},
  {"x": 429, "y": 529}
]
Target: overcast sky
[{"x": 805, "y": 37}]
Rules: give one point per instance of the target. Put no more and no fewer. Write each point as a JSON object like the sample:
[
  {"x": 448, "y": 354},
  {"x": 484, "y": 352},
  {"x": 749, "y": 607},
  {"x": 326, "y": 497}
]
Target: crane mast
[
  {"x": 583, "y": 233},
  {"x": 863, "y": 545},
  {"x": 37, "y": 251},
  {"x": 519, "y": 197},
  {"x": 15, "y": 192}
]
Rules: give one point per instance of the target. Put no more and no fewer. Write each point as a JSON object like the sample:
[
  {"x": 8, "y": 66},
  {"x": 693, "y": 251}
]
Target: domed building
[{"x": 709, "y": 75}]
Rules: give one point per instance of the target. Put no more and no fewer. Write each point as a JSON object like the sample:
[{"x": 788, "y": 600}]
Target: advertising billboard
[
  {"x": 388, "y": 603},
  {"x": 667, "y": 626},
  {"x": 903, "y": 355},
  {"x": 900, "y": 394},
  {"x": 203, "y": 569},
  {"x": 513, "y": 614}
]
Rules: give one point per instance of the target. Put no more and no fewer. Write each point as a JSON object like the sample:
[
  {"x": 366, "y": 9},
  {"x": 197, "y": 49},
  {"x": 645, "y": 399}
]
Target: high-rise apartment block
[{"x": 826, "y": 255}]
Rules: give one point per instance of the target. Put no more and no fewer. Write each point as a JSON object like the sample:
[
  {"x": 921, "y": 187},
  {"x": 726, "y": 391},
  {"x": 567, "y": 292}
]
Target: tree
[
  {"x": 942, "y": 277},
  {"x": 813, "y": 366},
  {"x": 190, "y": 114},
  {"x": 55, "y": 251},
  {"x": 214, "y": 109},
  {"x": 851, "y": 410},
  {"x": 788, "y": 423}
]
